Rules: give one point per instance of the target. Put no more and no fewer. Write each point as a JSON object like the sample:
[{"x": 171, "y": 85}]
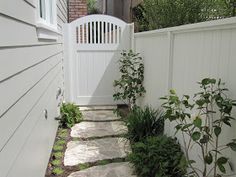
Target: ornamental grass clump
[
  {"x": 143, "y": 123},
  {"x": 213, "y": 111}
]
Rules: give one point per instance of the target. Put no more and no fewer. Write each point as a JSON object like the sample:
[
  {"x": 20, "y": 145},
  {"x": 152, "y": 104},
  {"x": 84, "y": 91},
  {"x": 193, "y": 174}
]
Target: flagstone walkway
[{"x": 97, "y": 138}]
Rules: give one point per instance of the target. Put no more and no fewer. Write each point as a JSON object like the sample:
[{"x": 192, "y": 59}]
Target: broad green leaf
[
  {"x": 208, "y": 159},
  {"x": 206, "y": 81},
  {"x": 198, "y": 122},
  {"x": 217, "y": 131},
  {"x": 222, "y": 168},
  {"x": 200, "y": 102},
  {"x": 172, "y": 91},
  {"x": 196, "y": 136},
  {"x": 222, "y": 160}
]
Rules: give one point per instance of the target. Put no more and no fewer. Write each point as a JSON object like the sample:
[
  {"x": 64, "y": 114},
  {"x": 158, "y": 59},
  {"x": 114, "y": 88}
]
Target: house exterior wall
[
  {"x": 31, "y": 72},
  {"x": 77, "y": 9}
]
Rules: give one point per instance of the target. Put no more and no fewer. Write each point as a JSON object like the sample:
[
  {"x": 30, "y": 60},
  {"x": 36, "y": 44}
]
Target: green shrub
[
  {"x": 158, "y": 156},
  {"x": 142, "y": 123},
  {"x": 70, "y": 115}
]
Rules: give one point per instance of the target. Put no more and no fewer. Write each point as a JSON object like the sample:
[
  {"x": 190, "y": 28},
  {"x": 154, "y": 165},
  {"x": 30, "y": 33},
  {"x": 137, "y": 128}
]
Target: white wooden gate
[{"x": 92, "y": 48}]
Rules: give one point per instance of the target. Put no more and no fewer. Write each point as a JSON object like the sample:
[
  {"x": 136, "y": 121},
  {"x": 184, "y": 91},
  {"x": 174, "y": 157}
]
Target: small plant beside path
[
  {"x": 129, "y": 87},
  {"x": 213, "y": 113}
]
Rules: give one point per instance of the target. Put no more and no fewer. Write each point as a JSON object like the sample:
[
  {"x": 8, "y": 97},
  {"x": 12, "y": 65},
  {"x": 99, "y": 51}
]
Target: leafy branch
[
  {"x": 213, "y": 108},
  {"x": 130, "y": 84}
]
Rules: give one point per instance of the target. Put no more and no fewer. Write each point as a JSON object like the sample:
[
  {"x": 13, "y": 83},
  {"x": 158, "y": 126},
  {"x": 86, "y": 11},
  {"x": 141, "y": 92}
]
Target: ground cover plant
[
  {"x": 70, "y": 115},
  {"x": 214, "y": 112},
  {"x": 142, "y": 123},
  {"x": 129, "y": 87},
  {"x": 159, "y": 156}
]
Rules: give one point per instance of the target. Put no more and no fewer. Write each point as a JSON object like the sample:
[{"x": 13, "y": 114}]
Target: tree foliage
[
  {"x": 154, "y": 14},
  {"x": 92, "y": 8}
]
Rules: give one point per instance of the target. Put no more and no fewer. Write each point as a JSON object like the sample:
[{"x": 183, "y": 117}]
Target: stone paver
[
  {"x": 82, "y": 108},
  {"x": 98, "y": 129},
  {"x": 78, "y": 152},
  {"x": 123, "y": 169},
  {"x": 101, "y": 115}
]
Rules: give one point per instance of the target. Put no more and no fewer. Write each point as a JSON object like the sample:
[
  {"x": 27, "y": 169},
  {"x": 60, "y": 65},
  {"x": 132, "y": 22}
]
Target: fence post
[
  {"x": 132, "y": 36},
  {"x": 68, "y": 93},
  {"x": 170, "y": 58}
]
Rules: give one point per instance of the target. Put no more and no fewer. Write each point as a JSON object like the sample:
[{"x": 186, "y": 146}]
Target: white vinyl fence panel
[{"x": 178, "y": 57}]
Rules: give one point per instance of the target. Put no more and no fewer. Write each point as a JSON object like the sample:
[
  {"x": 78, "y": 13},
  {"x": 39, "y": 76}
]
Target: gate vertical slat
[
  {"x": 114, "y": 34},
  {"x": 90, "y": 32},
  {"x": 82, "y": 35},
  {"x": 86, "y": 33},
  {"x": 95, "y": 32},
  {"x": 102, "y": 33},
  {"x": 79, "y": 34},
  {"x": 106, "y": 32},
  {"x": 99, "y": 33},
  {"x": 110, "y": 33}
]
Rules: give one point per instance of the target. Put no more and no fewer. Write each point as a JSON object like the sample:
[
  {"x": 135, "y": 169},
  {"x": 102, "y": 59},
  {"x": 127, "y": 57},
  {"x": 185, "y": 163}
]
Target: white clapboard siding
[
  {"x": 24, "y": 83},
  {"x": 9, "y": 154},
  {"x": 61, "y": 13},
  {"x": 178, "y": 57},
  {"x": 24, "y": 59},
  {"x": 62, "y": 7},
  {"x": 31, "y": 2},
  {"x": 30, "y": 76},
  {"x": 18, "y": 9}
]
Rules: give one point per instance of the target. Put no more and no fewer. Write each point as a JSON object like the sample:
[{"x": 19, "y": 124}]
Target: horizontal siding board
[
  {"x": 31, "y": 2},
  {"x": 63, "y": 3},
  {"x": 61, "y": 18},
  {"x": 23, "y": 12},
  {"x": 25, "y": 35},
  {"x": 60, "y": 21},
  {"x": 43, "y": 100},
  {"x": 14, "y": 91},
  {"x": 61, "y": 10},
  {"x": 24, "y": 58}
]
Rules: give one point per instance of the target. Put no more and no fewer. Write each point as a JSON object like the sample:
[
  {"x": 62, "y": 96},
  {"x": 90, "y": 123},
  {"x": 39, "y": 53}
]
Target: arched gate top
[{"x": 98, "y": 32}]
